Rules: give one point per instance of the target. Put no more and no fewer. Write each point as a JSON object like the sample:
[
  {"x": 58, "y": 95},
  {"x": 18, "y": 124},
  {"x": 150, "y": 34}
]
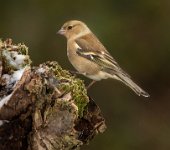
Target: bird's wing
[{"x": 90, "y": 48}]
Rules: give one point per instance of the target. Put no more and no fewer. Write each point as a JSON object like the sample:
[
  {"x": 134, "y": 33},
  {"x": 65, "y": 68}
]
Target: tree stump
[{"x": 43, "y": 107}]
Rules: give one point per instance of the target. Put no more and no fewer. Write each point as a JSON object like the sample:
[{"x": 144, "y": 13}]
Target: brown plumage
[{"x": 90, "y": 58}]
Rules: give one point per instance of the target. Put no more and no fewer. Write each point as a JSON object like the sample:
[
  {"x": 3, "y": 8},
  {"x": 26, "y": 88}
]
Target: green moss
[
  {"x": 79, "y": 95},
  {"x": 22, "y": 49},
  {"x": 71, "y": 84}
]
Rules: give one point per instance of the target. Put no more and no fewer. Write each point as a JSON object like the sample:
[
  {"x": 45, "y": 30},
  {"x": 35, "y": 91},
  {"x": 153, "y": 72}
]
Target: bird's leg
[
  {"x": 91, "y": 83},
  {"x": 74, "y": 73}
]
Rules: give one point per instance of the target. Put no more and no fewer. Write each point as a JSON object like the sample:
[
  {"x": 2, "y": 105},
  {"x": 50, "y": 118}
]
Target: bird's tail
[{"x": 126, "y": 80}]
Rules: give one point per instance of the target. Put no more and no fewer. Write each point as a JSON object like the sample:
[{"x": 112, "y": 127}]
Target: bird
[{"x": 90, "y": 57}]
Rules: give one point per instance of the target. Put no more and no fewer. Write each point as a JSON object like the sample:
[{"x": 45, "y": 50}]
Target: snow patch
[
  {"x": 15, "y": 60},
  {"x": 13, "y": 78},
  {"x": 3, "y": 121},
  {"x": 5, "y": 100},
  {"x": 11, "y": 81},
  {"x": 40, "y": 70},
  {"x": 16, "y": 76},
  {"x": 19, "y": 59}
]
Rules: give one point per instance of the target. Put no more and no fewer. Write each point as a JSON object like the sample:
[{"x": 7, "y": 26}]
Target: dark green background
[{"x": 137, "y": 34}]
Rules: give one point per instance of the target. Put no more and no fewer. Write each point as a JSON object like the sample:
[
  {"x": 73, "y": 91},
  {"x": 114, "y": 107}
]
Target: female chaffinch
[{"x": 90, "y": 58}]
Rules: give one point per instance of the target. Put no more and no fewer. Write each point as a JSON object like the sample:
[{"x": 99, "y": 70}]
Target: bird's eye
[{"x": 70, "y": 27}]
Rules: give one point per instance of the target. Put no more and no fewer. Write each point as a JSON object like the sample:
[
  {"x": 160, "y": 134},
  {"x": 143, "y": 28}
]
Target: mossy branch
[{"x": 43, "y": 107}]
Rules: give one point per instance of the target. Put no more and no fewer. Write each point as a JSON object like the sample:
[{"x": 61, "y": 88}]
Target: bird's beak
[{"x": 61, "y": 31}]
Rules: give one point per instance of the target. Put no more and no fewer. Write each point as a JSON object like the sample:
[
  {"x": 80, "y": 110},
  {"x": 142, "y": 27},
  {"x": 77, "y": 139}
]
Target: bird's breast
[{"x": 81, "y": 64}]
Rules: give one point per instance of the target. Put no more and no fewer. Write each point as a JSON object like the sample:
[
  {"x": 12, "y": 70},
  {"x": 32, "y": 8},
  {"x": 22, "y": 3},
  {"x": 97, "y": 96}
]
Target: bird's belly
[
  {"x": 99, "y": 76},
  {"x": 83, "y": 65},
  {"x": 88, "y": 68}
]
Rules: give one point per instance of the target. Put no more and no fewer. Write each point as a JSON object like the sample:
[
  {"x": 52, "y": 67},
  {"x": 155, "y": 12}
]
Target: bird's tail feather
[{"x": 126, "y": 80}]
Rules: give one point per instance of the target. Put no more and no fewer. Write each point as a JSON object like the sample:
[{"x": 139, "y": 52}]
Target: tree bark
[{"x": 44, "y": 107}]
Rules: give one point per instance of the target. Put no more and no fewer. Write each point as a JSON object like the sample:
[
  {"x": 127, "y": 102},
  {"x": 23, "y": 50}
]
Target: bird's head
[{"x": 74, "y": 29}]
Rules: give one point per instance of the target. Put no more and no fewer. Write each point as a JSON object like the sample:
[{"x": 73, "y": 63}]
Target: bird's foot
[{"x": 91, "y": 83}]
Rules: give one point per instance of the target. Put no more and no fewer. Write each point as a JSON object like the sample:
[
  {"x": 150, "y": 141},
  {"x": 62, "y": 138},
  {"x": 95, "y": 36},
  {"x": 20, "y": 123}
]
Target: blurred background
[{"x": 137, "y": 34}]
